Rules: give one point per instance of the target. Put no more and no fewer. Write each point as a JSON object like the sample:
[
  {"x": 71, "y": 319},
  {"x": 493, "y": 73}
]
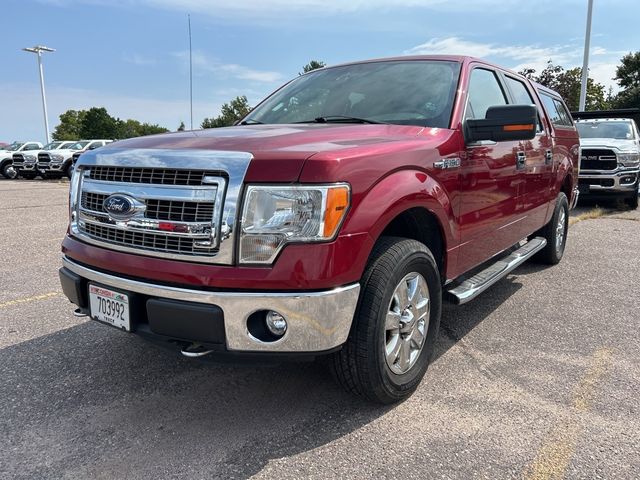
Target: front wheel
[
  {"x": 632, "y": 201},
  {"x": 8, "y": 171},
  {"x": 396, "y": 323},
  {"x": 68, "y": 170}
]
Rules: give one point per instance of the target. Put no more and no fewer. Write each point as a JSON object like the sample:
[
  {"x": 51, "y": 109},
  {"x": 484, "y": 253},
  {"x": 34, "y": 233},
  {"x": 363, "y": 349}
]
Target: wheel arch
[{"x": 409, "y": 204}]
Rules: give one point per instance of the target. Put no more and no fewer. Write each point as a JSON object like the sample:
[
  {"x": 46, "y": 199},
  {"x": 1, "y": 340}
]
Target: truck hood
[
  {"x": 284, "y": 147},
  {"x": 620, "y": 145},
  {"x": 301, "y": 140}
]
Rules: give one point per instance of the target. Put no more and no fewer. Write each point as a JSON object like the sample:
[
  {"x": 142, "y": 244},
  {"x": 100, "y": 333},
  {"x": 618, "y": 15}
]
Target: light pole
[
  {"x": 585, "y": 60},
  {"x": 38, "y": 49},
  {"x": 190, "y": 74}
]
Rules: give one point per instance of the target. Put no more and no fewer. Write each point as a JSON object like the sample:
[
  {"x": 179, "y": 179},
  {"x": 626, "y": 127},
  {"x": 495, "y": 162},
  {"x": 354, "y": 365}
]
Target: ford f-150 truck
[
  {"x": 610, "y": 156},
  {"x": 331, "y": 221}
]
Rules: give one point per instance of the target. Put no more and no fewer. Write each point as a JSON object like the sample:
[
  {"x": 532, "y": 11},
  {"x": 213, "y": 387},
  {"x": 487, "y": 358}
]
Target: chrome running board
[{"x": 474, "y": 286}]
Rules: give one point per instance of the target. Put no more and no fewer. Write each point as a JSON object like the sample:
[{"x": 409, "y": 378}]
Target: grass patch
[{"x": 590, "y": 215}]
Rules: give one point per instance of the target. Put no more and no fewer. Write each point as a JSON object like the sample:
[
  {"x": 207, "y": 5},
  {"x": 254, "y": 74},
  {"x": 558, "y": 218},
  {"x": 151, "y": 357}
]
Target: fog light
[{"x": 276, "y": 323}]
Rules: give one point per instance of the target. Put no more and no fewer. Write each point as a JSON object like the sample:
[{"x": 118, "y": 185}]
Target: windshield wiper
[
  {"x": 341, "y": 119},
  {"x": 250, "y": 122}
]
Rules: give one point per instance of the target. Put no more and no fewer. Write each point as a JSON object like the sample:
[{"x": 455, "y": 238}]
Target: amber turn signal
[
  {"x": 337, "y": 203},
  {"x": 518, "y": 128}
]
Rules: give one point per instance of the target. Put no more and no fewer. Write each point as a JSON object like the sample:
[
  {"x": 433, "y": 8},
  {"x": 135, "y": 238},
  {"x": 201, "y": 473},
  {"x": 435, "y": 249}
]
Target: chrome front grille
[
  {"x": 168, "y": 219},
  {"x": 598, "y": 159},
  {"x": 156, "y": 176},
  {"x": 44, "y": 158},
  {"x": 155, "y": 242},
  {"x": 179, "y": 204},
  {"x": 171, "y": 210}
]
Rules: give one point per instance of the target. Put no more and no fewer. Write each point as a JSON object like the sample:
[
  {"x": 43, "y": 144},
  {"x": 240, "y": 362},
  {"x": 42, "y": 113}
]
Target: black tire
[
  {"x": 553, "y": 252},
  {"x": 361, "y": 366},
  {"x": 68, "y": 170},
  {"x": 8, "y": 171},
  {"x": 632, "y": 202}
]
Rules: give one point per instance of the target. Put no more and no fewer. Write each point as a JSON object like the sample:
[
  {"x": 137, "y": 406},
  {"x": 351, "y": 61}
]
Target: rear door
[{"x": 489, "y": 180}]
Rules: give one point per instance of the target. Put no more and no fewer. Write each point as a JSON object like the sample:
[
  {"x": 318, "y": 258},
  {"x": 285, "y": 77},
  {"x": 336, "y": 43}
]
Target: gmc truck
[
  {"x": 332, "y": 221},
  {"x": 610, "y": 157}
]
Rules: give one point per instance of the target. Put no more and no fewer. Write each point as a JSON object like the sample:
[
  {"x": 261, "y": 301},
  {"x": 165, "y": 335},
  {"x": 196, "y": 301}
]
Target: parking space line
[
  {"x": 556, "y": 451},
  {"x": 35, "y": 298}
]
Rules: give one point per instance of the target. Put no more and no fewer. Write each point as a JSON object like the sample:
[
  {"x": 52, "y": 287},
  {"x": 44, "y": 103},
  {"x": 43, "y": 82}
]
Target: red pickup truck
[{"x": 331, "y": 221}]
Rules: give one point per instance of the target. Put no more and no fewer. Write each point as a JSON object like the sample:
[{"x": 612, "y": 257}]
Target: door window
[
  {"x": 556, "y": 110},
  {"x": 521, "y": 96},
  {"x": 484, "y": 92}
]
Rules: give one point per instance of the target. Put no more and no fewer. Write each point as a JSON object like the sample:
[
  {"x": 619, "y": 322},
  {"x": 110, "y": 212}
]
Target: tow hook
[
  {"x": 81, "y": 312},
  {"x": 195, "y": 350}
]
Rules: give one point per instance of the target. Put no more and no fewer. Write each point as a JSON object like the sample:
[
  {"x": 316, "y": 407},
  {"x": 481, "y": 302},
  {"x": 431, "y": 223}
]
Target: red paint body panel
[{"x": 482, "y": 207}]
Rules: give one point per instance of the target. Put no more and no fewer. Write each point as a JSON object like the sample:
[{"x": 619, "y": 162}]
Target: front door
[{"x": 490, "y": 181}]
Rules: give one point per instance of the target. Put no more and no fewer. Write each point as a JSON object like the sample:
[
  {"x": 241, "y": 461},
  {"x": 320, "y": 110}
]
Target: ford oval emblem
[{"x": 119, "y": 206}]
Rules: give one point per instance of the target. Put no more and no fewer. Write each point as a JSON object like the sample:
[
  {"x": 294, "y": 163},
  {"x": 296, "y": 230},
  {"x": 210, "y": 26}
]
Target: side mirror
[{"x": 504, "y": 122}]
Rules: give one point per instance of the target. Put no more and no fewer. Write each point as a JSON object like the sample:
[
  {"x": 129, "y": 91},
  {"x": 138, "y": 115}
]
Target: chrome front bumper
[
  {"x": 46, "y": 167},
  {"x": 317, "y": 321},
  {"x": 614, "y": 176}
]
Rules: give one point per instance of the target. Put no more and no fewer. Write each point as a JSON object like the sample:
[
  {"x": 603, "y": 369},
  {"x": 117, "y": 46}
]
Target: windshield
[
  {"x": 52, "y": 146},
  {"x": 618, "y": 130},
  {"x": 14, "y": 146},
  {"x": 399, "y": 92},
  {"x": 78, "y": 146}
]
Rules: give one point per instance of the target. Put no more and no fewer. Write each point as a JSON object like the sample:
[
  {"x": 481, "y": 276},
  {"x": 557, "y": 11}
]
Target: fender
[{"x": 396, "y": 193}]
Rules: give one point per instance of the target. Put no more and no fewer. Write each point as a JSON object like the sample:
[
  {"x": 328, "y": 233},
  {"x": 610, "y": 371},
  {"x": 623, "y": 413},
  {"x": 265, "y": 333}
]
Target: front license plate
[{"x": 109, "y": 307}]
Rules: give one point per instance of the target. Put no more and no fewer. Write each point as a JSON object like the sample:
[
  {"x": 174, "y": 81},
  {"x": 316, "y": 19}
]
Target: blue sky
[{"x": 131, "y": 56}]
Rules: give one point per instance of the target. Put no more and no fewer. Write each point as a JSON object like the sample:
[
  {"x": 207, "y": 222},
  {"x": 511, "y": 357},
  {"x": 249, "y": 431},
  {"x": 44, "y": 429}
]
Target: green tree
[
  {"x": 312, "y": 65},
  {"x": 567, "y": 84},
  {"x": 70, "y": 125},
  {"x": 127, "y": 128},
  {"x": 229, "y": 113},
  {"x": 97, "y": 123},
  {"x": 150, "y": 129},
  {"x": 628, "y": 77},
  {"x": 181, "y": 127}
]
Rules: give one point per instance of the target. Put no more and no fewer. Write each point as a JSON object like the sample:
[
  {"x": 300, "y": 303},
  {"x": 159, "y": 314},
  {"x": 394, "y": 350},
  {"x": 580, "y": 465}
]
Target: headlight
[
  {"x": 31, "y": 158},
  {"x": 274, "y": 216},
  {"x": 629, "y": 159},
  {"x": 57, "y": 158}
]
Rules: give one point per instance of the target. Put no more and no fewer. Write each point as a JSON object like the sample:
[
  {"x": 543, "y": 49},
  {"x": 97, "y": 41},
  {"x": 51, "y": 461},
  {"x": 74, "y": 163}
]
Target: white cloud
[
  {"x": 203, "y": 63},
  {"x": 519, "y": 57},
  {"x": 458, "y": 46}
]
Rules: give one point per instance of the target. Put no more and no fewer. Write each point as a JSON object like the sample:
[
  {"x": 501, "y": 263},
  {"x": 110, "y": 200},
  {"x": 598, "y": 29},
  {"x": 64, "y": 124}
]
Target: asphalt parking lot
[{"x": 537, "y": 378}]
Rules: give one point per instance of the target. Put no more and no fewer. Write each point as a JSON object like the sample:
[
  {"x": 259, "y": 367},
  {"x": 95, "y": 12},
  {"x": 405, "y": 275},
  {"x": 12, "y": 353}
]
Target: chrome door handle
[
  {"x": 548, "y": 157},
  {"x": 521, "y": 159}
]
